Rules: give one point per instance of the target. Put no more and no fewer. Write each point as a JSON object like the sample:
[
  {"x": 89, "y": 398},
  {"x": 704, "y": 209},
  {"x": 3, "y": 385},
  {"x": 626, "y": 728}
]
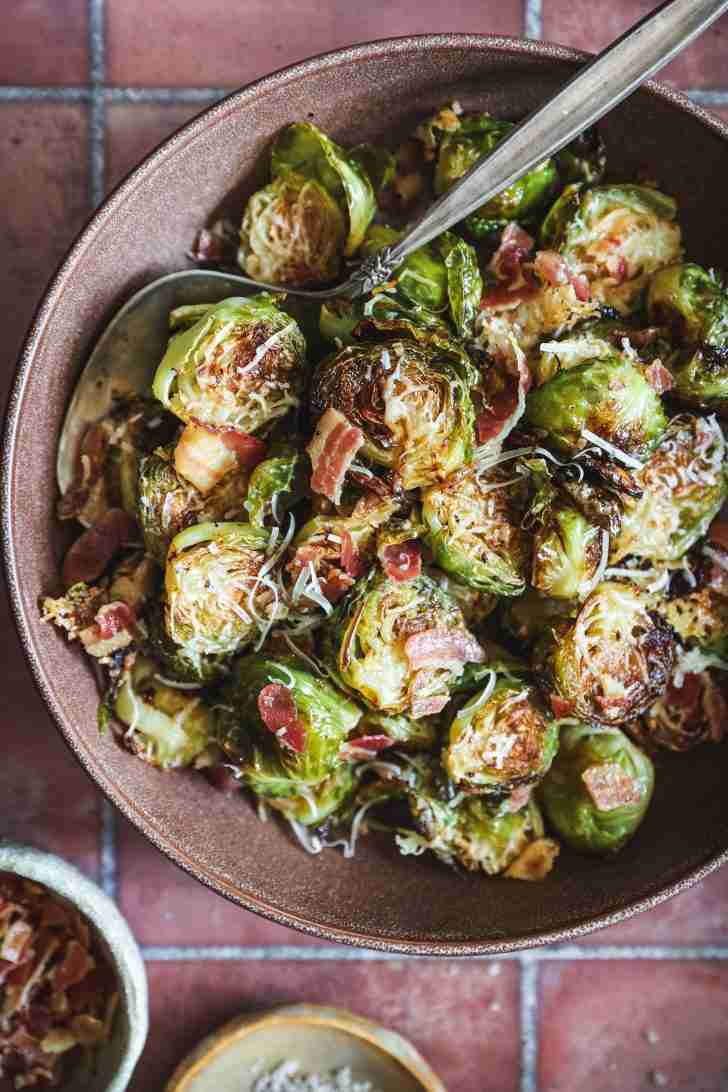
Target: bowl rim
[
  {"x": 237, "y": 99},
  {"x": 64, "y": 879}
]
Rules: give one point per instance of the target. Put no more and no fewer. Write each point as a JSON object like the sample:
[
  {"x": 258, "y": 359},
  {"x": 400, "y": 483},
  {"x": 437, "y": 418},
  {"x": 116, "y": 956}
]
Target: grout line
[
  {"x": 709, "y": 98},
  {"x": 107, "y": 851},
  {"x": 11, "y": 93},
  {"x": 533, "y": 18},
  {"x": 303, "y": 953},
  {"x": 97, "y": 110},
  {"x": 165, "y": 95},
  {"x": 529, "y": 1002}
]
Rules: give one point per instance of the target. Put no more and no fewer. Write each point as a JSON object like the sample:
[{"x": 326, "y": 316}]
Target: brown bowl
[{"x": 379, "y": 900}]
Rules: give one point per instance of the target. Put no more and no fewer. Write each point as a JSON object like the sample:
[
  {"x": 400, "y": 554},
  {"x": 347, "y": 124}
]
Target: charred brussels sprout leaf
[
  {"x": 216, "y": 600},
  {"x": 411, "y": 400},
  {"x": 584, "y": 160},
  {"x": 598, "y": 789},
  {"x": 324, "y": 718},
  {"x": 474, "y": 530},
  {"x": 293, "y": 232},
  {"x": 167, "y": 503},
  {"x": 399, "y": 646},
  {"x": 568, "y": 550},
  {"x": 502, "y": 739},
  {"x": 614, "y": 660},
  {"x": 303, "y": 150},
  {"x": 464, "y": 282},
  {"x": 609, "y": 398},
  {"x": 475, "y": 136},
  {"x": 617, "y": 235},
  {"x": 694, "y": 303},
  {"x": 700, "y": 620},
  {"x": 684, "y": 486},
  {"x": 166, "y": 727},
  {"x": 238, "y": 368},
  {"x": 275, "y": 485}
]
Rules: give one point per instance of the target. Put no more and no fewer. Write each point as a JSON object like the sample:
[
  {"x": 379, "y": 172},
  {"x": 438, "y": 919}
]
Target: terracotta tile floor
[{"x": 639, "y": 1006}]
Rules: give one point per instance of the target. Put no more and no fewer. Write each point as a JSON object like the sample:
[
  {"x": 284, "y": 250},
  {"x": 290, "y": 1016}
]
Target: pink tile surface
[
  {"x": 634, "y": 1027},
  {"x": 44, "y": 42},
  {"x": 184, "y": 42},
  {"x": 135, "y": 130},
  {"x": 463, "y": 1019},
  {"x": 165, "y": 906},
  {"x": 589, "y": 25}
]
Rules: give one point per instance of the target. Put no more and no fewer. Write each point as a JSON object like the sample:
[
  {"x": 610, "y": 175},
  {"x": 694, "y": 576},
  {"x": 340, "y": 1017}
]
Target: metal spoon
[{"x": 132, "y": 345}]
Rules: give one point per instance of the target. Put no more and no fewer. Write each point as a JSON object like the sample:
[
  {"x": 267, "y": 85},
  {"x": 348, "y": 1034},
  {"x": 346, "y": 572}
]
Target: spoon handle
[{"x": 595, "y": 90}]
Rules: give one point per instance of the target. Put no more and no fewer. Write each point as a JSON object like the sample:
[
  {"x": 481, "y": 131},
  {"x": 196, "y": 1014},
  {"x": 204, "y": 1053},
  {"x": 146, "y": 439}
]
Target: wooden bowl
[{"x": 379, "y": 899}]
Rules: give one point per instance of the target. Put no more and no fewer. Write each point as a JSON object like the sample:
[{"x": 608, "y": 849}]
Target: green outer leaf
[
  {"x": 422, "y": 278},
  {"x": 379, "y": 164},
  {"x": 303, "y": 149},
  {"x": 282, "y": 474},
  {"x": 464, "y": 282}
]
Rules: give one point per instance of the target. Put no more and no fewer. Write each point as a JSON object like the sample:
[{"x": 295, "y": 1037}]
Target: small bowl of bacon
[{"x": 73, "y": 989}]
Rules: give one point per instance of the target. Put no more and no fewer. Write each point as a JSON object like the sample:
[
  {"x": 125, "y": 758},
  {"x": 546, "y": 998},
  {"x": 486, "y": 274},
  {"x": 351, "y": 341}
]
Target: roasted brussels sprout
[
  {"x": 694, "y": 303},
  {"x": 181, "y": 662},
  {"x": 238, "y": 368},
  {"x": 284, "y": 724},
  {"x": 218, "y": 600},
  {"x": 689, "y": 714},
  {"x": 567, "y": 553},
  {"x": 475, "y": 136},
  {"x": 166, "y": 503},
  {"x": 598, "y": 789},
  {"x": 473, "y": 833},
  {"x": 275, "y": 485},
  {"x": 411, "y": 401},
  {"x": 617, "y": 235},
  {"x": 293, "y": 232},
  {"x": 614, "y": 660},
  {"x": 399, "y": 645},
  {"x": 700, "y": 619},
  {"x": 422, "y": 278},
  {"x": 166, "y": 726},
  {"x": 684, "y": 486},
  {"x": 474, "y": 529},
  {"x": 603, "y": 402},
  {"x": 501, "y": 740}
]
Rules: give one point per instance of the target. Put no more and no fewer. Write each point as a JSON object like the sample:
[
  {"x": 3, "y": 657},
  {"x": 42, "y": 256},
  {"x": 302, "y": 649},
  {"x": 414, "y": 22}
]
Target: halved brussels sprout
[
  {"x": 614, "y": 660},
  {"x": 286, "y": 725},
  {"x": 167, "y": 727},
  {"x": 700, "y": 619},
  {"x": 181, "y": 662},
  {"x": 398, "y": 645},
  {"x": 611, "y": 399},
  {"x": 502, "y": 739},
  {"x": 411, "y": 401},
  {"x": 293, "y": 232},
  {"x": 275, "y": 485},
  {"x": 217, "y": 600},
  {"x": 617, "y": 235},
  {"x": 474, "y": 529},
  {"x": 694, "y": 303},
  {"x": 475, "y": 136},
  {"x": 166, "y": 503},
  {"x": 238, "y": 368},
  {"x": 684, "y": 485},
  {"x": 422, "y": 277},
  {"x": 689, "y": 714},
  {"x": 598, "y": 789},
  {"x": 473, "y": 833},
  {"x": 310, "y": 805},
  {"x": 303, "y": 150},
  {"x": 567, "y": 554}
]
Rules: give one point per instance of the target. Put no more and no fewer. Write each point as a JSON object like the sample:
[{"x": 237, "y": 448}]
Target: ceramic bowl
[
  {"x": 379, "y": 899},
  {"x": 117, "y": 1058},
  {"x": 319, "y": 1038}
]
